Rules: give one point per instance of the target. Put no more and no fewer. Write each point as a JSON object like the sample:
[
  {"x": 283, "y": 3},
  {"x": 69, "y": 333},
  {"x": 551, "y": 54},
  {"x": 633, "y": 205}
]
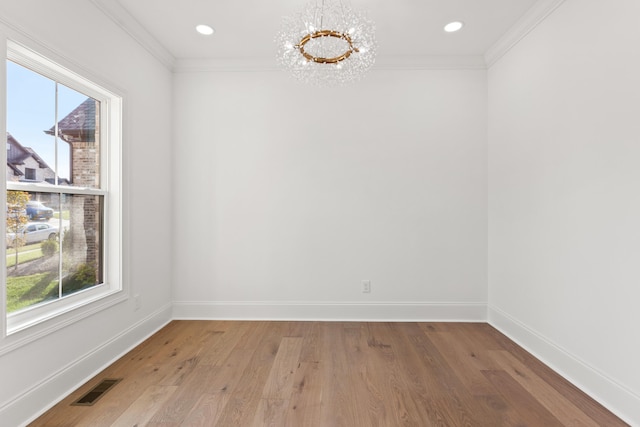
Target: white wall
[
  {"x": 35, "y": 374},
  {"x": 564, "y": 211},
  {"x": 287, "y": 197}
]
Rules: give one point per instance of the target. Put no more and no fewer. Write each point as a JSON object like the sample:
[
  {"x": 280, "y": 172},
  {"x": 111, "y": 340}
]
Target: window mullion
[{"x": 55, "y": 139}]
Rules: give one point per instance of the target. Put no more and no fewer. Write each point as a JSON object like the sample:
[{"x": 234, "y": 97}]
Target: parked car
[
  {"x": 33, "y": 233},
  {"x": 37, "y": 211}
]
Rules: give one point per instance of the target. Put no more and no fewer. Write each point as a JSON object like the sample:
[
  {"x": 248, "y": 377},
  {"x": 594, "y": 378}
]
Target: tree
[{"x": 16, "y": 218}]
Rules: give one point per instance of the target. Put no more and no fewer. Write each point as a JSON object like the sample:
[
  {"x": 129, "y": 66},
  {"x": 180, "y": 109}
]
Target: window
[
  {"x": 62, "y": 189},
  {"x": 30, "y": 174}
]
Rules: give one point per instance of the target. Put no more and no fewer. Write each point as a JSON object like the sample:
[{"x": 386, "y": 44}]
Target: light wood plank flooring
[{"x": 305, "y": 374}]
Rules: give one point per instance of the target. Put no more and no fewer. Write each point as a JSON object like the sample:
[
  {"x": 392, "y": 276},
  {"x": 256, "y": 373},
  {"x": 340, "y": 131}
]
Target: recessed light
[
  {"x": 204, "y": 29},
  {"x": 454, "y": 26}
]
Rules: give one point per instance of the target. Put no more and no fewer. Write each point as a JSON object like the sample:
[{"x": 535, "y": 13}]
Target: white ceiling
[{"x": 247, "y": 29}]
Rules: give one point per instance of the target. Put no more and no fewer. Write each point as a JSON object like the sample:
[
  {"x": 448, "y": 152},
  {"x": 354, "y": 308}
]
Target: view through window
[{"x": 55, "y": 199}]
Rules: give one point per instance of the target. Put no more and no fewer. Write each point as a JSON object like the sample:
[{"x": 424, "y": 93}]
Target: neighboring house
[
  {"x": 24, "y": 164},
  {"x": 79, "y": 128}
]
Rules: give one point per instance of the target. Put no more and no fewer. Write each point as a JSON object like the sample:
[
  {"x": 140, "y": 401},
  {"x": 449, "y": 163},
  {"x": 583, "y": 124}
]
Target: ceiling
[{"x": 247, "y": 29}]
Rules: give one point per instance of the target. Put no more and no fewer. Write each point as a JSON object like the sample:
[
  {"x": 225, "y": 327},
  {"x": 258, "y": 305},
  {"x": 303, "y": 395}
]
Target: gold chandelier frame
[{"x": 326, "y": 33}]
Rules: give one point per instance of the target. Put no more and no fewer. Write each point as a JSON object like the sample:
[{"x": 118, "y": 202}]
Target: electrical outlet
[
  {"x": 136, "y": 302},
  {"x": 366, "y": 286}
]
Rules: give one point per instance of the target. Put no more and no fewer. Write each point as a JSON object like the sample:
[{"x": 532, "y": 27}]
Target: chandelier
[{"x": 327, "y": 44}]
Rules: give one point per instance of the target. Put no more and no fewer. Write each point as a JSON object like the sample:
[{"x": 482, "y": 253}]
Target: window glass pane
[
  {"x": 34, "y": 154},
  {"x": 31, "y": 103},
  {"x": 33, "y": 256},
  {"x": 36, "y": 223},
  {"x": 81, "y": 242},
  {"x": 79, "y": 139}
]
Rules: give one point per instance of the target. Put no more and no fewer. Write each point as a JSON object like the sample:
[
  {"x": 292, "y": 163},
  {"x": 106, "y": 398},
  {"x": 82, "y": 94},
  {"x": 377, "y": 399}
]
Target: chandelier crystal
[{"x": 327, "y": 44}]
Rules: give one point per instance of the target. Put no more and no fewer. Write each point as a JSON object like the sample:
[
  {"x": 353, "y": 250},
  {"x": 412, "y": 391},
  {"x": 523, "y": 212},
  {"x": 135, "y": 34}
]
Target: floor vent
[{"x": 97, "y": 392}]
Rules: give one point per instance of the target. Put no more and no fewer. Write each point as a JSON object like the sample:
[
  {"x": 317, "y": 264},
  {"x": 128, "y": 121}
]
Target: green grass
[
  {"x": 25, "y": 253},
  {"x": 23, "y": 248},
  {"x": 23, "y": 291}
]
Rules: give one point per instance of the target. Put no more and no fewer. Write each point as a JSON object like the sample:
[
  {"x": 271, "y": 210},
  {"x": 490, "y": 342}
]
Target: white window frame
[{"x": 71, "y": 308}]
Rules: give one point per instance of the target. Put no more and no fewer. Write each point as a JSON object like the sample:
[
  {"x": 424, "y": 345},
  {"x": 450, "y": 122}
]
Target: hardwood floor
[{"x": 214, "y": 373}]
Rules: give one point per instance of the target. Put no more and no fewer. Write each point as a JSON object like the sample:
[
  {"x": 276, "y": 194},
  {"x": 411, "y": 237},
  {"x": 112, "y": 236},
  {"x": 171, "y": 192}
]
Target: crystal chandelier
[{"x": 327, "y": 44}]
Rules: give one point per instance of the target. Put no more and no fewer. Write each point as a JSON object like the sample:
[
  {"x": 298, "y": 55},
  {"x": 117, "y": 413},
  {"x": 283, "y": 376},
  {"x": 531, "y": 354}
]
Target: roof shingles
[{"x": 80, "y": 124}]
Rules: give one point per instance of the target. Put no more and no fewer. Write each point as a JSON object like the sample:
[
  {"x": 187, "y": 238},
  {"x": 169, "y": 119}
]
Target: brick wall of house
[{"x": 85, "y": 229}]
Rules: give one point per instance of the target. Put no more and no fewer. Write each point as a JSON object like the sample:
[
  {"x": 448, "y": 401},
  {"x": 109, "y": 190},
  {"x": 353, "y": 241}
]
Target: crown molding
[
  {"x": 196, "y": 65},
  {"x": 121, "y": 17},
  {"x": 430, "y": 62},
  {"x": 530, "y": 20},
  {"x": 426, "y": 62}
]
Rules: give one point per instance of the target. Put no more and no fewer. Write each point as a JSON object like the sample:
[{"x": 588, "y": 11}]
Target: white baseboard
[
  {"x": 60, "y": 384},
  {"x": 612, "y": 395},
  {"x": 331, "y": 311}
]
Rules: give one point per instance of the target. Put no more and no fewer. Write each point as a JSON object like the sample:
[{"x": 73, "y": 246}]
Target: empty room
[{"x": 324, "y": 213}]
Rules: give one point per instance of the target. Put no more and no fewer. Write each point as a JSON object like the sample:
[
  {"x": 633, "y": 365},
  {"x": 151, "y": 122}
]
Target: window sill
[{"x": 32, "y": 324}]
